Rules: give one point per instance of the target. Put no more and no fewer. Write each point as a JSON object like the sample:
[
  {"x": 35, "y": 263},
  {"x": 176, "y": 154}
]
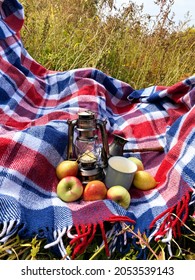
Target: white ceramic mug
[{"x": 120, "y": 171}]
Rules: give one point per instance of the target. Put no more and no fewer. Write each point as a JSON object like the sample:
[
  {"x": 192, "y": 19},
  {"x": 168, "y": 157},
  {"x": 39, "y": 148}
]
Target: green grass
[{"x": 128, "y": 45}]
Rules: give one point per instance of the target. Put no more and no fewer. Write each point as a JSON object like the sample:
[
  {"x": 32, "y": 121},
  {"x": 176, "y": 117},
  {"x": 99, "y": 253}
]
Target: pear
[
  {"x": 143, "y": 180},
  {"x": 138, "y": 162}
]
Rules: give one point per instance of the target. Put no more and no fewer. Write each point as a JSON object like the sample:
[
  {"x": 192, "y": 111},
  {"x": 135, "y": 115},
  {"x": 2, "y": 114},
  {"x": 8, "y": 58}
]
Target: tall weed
[{"x": 125, "y": 43}]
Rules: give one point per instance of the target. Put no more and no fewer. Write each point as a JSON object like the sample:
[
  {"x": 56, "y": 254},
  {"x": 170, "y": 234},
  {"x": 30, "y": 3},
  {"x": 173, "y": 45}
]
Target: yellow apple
[
  {"x": 138, "y": 162},
  {"x": 67, "y": 168},
  {"x": 143, "y": 180}
]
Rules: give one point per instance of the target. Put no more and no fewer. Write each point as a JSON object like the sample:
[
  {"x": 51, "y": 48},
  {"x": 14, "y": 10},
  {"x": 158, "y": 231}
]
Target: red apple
[
  {"x": 94, "y": 190},
  {"x": 67, "y": 168},
  {"x": 69, "y": 189},
  {"x": 120, "y": 195}
]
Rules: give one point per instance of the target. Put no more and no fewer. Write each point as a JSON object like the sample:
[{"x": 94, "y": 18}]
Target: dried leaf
[{"x": 161, "y": 255}]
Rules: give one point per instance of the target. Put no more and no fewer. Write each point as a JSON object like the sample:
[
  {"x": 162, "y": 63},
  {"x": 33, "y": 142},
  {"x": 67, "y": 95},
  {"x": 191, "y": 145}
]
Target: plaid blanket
[{"x": 35, "y": 104}]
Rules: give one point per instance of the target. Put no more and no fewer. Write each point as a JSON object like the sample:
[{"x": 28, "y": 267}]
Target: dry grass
[
  {"x": 182, "y": 248},
  {"x": 126, "y": 43}
]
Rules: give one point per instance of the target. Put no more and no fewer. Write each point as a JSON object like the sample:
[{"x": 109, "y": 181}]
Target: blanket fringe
[
  {"x": 175, "y": 217},
  {"x": 58, "y": 235},
  {"x": 9, "y": 228},
  {"x": 86, "y": 233},
  {"x": 84, "y": 236}
]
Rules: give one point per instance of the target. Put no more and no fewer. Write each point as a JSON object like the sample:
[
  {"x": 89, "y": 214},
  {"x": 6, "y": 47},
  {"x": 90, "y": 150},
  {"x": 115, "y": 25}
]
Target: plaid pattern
[{"x": 35, "y": 104}]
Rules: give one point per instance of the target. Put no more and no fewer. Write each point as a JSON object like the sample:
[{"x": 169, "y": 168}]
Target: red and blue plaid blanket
[{"x": 35, "y": 104}]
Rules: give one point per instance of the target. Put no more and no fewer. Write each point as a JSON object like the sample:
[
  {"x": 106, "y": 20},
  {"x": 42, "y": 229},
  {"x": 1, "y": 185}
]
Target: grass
[
  {"x": 127, "y": 44},
  {"x": 33, "y": 249}
]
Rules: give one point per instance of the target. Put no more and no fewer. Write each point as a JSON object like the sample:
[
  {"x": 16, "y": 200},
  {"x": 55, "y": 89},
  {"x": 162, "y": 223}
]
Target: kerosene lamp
[{"x": 88, "y": 144}]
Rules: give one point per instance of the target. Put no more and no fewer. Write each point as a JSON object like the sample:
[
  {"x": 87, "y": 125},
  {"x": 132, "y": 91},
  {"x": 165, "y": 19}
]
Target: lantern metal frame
[{"x": 87, "y": 127}]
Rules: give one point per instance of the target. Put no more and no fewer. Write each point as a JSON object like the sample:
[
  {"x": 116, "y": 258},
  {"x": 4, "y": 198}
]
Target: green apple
[
  {"x": 69, "y": 189},
  {"x": 138, "y": 162},
  {"x": 67, "y": 168},
  {"x": 120, "y": 195}
]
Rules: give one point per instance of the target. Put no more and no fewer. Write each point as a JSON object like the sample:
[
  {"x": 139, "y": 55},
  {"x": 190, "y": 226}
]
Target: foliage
[{"x": 125, "y": 43}]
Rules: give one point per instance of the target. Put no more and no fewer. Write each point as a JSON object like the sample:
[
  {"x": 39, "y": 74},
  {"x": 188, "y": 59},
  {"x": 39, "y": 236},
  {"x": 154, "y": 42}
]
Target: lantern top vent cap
[{"x": 87, "y": 115}]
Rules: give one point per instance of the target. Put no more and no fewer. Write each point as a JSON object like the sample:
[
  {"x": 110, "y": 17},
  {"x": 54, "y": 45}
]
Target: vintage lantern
[{"x": 88, "y": 143}]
